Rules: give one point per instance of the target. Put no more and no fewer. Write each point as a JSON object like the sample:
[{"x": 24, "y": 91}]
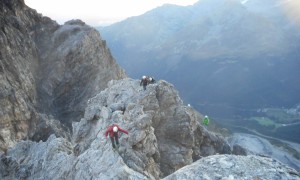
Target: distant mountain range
[{"x": 235, "y": 53}]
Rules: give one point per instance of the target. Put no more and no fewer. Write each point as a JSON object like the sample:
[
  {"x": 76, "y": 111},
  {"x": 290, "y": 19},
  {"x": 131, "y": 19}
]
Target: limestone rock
[
  {"x": 54, "y": 159},
  {"x": 164, "y": 135}
]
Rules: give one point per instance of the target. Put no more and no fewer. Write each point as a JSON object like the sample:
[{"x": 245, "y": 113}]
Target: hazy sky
[{"x": 97, "y": 12}]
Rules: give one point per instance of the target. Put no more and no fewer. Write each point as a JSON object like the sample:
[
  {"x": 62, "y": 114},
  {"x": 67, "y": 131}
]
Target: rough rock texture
[
  {"x": 151, "y": 151},
  {"x": 18, "y": 64},
  {"x": 74, "y": 67},
  {"x": 54, "y": 159},
  {"x": 162, "y": 127},
  {"x": 47, "y": 70},
  {"x": 229, "y": 167}
]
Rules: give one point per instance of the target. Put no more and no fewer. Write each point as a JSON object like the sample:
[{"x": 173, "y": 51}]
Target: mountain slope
[{"x": 208, "y": 27}]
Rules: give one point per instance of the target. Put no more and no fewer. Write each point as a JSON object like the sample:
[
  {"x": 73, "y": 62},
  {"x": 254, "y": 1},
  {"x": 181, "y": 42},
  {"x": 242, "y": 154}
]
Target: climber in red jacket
[{"x": 112, "y": 131}]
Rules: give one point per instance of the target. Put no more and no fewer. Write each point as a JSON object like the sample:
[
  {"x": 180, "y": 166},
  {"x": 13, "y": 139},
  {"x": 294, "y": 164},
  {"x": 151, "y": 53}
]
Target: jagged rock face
[
  {"x": 47, "y": 70},
  {"x": 146, "y": 152},
  {"x": 149, "y": 152},
  {"x": 181, "y": 138},
  {"x": 54, "y": 159},
  {"x": 173, "y": 130},
  {"x": 18, "y": 61},
  {"x": 75, "y": 67},
  {"x": 235, "y": 167}
]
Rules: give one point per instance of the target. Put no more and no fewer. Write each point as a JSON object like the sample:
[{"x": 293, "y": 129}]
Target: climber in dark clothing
[
  {"x": 112, "y": 131},
  {"x": 144, "y": 82},
  {"x": 151, "y": 80}
]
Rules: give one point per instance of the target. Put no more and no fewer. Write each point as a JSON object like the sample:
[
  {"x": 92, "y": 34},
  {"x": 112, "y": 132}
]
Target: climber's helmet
[{"x": 115, "y": 129}]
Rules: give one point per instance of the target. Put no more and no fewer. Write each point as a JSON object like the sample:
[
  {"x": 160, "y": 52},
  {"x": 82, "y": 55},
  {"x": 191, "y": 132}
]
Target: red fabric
[{"x": 111, "y": 132}]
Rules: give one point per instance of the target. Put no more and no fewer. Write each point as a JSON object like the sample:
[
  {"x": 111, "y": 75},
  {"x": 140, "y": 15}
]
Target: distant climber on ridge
[
  {"x": 151, "y": 80},
  {"x": 144, "y": 82},
  {"x": 206, "y": 120},
  {"x": 112, "y": 132}
]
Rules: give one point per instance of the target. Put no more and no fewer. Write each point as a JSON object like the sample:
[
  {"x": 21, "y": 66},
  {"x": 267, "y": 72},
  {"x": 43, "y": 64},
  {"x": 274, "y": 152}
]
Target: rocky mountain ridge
[{"x": 164, "y": 136}]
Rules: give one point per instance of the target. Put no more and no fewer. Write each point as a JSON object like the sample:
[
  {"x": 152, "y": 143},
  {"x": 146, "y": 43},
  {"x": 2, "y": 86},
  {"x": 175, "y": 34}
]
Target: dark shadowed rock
[
  {"x": 75, "y": 66},
  {"x": 18, "y": 63},
  {"x": 47, "y": 70},
  {"x": 47, "y": 126},
  {"x": 239, "y": 150}
]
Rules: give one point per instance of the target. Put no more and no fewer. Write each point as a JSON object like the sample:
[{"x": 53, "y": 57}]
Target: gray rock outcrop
[
  {"x": 163, "y": 131},
  {"x": 47, "y": 70}
]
